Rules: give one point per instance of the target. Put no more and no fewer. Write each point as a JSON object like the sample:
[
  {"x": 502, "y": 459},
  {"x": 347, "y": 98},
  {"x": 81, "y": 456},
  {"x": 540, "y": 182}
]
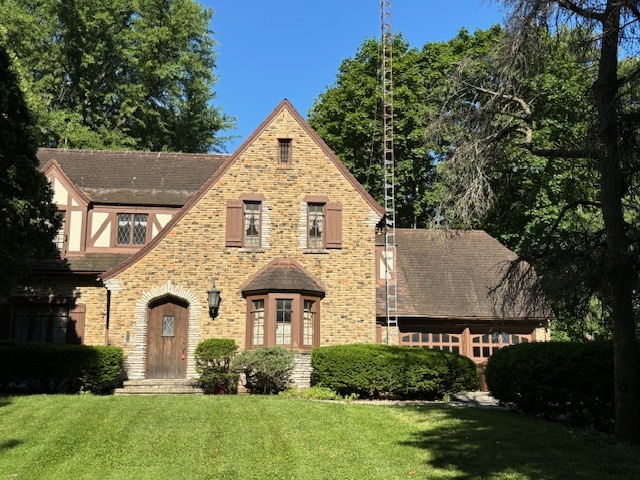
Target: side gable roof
[
  {"x": 134, "y": 178},
  {"x": 448, "y": 273},
  {"x": 285, "y": 104}
]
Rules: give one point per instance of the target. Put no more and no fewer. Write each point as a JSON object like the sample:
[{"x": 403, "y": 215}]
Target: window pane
[
  {"x": 140, "y": 230},
  {"x": 307, "y": 327},
  {"x": 258, "y": 322},
  {"x": 124, "y": 229},
  {"x": 283, "y": 322},
  {"x": 21, "y": 319},
  {"x": 455, "y": 339},
  {"x": 168, "y": 326},
  {"x": 252, "y": 224},
  {"x": 425, "y": 337},
  {"x": 58, "y": 240},
  {"x": 456, "y": 350},
  {"x": 476, "y": 352},
  {"x": 436, "y": 337},
  {"x": 486, "y": 352},
  {"x": 316, "y": 220},
  {"x": 59, "y": 322},
  {"x": 445, "y": 337},
  {"x": 415, "y": 337}
]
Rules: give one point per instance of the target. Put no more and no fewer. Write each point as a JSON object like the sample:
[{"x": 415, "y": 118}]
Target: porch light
[{"x": 213, "y": 298}]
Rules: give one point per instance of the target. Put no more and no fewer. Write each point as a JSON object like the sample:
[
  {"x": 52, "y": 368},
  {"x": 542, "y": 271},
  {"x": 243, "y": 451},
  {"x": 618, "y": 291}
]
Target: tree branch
[{"x": 583, "y": 12}]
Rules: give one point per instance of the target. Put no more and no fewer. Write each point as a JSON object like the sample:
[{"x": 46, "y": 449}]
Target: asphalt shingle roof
[
  {"x": 135, "y": 178},
  {"x": 447, "y": 273}
]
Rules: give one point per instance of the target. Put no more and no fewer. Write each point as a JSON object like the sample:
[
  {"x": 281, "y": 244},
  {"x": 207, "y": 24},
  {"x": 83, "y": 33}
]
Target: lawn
[{"x": 248, "y": 437}]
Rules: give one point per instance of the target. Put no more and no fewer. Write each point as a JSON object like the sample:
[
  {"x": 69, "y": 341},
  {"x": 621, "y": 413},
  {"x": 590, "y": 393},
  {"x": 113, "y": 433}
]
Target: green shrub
[
  {"x": 267, "y": 370},
  {"x": 312, "y": 393},
  {"x": 572, "y": 382},
  {"x": 406, "y": 372},
  {"x": 27, "y": 367},
  {"x": 213, "y": 363},
  {"x": 101, "y": 369}
]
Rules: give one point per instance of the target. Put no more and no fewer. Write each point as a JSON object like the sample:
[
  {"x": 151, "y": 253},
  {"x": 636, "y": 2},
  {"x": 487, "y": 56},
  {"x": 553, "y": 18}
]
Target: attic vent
[{"x": 284, "y": 151}]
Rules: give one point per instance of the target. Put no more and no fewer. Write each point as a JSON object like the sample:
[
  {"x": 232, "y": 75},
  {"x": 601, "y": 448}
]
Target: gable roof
[
  {"x": 134, "y": 178},
  {"x": 193, "y": 200},
  {"x": 447, "y": 273},
  {"x": 283, "y": 275}
]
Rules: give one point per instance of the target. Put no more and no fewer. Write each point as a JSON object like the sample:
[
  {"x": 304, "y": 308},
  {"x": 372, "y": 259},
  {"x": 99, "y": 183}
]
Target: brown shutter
[
  {"x": 333, "y": 226},
  {"x": 75, "y": 327},
  {"x": 234, "y": 223}
]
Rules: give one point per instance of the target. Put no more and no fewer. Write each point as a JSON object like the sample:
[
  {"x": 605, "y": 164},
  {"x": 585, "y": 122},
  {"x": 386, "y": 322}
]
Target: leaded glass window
[
  {"x": 283, "y": 321},
  {"x": 252, "y": 224},
  {"x": 139, "y": 229},
  {"x": 315, "y": 221},
  {"x": 132, "y": 229},
  {"x": 168, "y": 326},
  {"x": 258, "y": 322}
]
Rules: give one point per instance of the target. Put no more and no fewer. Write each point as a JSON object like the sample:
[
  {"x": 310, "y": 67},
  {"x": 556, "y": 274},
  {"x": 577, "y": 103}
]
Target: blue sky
[{"x": 270, "y": 50}]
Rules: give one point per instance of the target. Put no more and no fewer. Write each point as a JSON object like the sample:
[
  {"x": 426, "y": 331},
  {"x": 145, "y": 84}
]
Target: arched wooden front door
[{"x": 167, "y": 339}]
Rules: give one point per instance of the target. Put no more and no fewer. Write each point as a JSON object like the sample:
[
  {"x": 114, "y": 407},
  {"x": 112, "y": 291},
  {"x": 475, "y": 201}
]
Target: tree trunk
[{"x": 621, "y": 275}]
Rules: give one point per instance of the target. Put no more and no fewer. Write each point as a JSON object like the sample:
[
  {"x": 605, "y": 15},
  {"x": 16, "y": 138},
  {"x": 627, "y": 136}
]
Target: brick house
[{"x": 280, "y": 229}]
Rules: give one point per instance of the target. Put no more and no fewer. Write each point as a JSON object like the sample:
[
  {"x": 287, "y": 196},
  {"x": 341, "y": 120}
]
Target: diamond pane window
[
  {"x": 132, "y": 229},
  {"x": 283, "y": 322},
  {"x": 258, "y": 322},
  {"x": 168, "y": 326},
  {"x": 252, "y": 224},
  {"x": 140, "y": 229},
  {"x": 124, "y": 228},
  {"x": 315, "y": 224}
]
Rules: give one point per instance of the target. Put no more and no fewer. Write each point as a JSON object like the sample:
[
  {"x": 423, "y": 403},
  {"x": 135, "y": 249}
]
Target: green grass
[{"x": 244, "y": 437}]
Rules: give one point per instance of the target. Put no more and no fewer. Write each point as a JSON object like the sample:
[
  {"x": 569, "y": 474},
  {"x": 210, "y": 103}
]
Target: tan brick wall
[
  {"x": 79, "y": 290},
  {"x": 193, "y": 253}
]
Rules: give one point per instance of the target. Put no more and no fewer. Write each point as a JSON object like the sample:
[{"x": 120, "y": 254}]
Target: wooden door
[{"x": 167, "y": 340}]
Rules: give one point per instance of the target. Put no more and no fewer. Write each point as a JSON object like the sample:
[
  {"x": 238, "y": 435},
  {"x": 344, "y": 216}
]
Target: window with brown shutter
[
  {"x": 234, "y": 223},
  {"x": 333, "y": 225},
  {"x": 284, "y": 152},
  {"x": 244, "y": 221}
]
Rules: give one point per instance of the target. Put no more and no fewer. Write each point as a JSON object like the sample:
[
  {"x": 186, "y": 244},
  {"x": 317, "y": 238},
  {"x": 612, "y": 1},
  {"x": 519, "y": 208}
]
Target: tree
[
  {"x": 590, "y": 248},
  {"x": 120, "y": 74},
  {"x": 27, "y": 217},
  {"x": 348, "y": 116}
]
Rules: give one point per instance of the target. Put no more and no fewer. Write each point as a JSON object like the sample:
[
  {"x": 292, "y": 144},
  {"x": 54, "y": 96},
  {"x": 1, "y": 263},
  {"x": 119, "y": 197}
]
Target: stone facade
[{"x": 193, "y": 253}]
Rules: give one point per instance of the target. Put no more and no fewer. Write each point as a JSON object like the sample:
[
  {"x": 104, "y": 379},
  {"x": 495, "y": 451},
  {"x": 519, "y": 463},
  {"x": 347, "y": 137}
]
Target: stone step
[{"x": 159, "y": 387}]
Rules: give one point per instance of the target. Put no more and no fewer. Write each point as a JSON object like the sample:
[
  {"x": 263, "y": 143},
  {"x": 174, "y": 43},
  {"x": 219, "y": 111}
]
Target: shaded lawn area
[{"x": 244, "y": 437}]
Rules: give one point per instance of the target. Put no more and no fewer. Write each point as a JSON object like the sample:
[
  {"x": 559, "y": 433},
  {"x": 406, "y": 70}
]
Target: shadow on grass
[
  {"x": 477, "y": 443},
  {"x": 4, "y": 401},
  {"x": 8, "y": 444}
]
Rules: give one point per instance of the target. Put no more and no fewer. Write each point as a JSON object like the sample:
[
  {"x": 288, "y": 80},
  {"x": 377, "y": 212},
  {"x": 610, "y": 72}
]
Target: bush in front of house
[
  {"x": 267, "y": 370},
  {"x": 572, "y": 382},
  {"x": 372, "y": 370},
  {"x": 213, "y": 363},
  {"x": 27, "y": 367}
]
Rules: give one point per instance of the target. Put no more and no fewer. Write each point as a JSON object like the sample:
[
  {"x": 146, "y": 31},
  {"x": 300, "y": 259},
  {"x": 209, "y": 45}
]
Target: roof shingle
[{"x": 135, "y": 178}]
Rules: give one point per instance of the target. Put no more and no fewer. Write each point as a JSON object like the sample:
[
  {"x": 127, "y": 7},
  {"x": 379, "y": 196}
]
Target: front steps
[{"x": 159, "y": 386}]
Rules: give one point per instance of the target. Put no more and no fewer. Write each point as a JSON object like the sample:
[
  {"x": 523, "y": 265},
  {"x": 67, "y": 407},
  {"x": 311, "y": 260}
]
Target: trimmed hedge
[
  {"x": 59, "y": 368},
  {"x": 213, "y": 363},
  {"x": 372, "y": 370},
  {"x": 572, "y": 382}
]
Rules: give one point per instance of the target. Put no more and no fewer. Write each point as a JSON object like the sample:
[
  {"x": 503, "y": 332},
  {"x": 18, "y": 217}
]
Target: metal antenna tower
[{"x": 391, "y": 283}]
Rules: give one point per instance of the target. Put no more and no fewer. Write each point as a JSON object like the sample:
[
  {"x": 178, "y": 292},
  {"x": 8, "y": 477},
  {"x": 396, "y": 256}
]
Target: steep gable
[{"x": 255, "y": 164}]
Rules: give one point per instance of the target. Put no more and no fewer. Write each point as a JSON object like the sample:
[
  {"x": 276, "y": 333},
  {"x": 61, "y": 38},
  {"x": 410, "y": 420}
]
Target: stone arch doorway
[{"x": 167, "y": 338}]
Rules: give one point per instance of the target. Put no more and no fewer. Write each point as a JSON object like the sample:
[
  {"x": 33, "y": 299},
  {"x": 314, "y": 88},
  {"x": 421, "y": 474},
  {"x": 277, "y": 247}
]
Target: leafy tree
[
  {"x": 120, "y": 74},
  {"x": 348, "y": 116},
  {"x": 589, "y": 248},
  {"x": 27, "y": 217}
]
